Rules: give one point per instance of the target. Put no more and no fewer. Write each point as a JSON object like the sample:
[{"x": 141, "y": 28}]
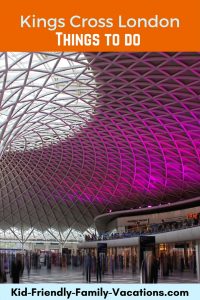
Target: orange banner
[{"x": 78, "y": 25}]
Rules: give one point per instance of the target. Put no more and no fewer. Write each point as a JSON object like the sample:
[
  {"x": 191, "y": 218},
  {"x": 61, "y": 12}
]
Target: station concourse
[{"x": 100, "y": 154}]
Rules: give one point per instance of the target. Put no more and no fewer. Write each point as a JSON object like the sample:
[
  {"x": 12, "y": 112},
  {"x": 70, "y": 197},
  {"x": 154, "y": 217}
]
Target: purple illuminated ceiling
[{"x": 138, "y": 145}]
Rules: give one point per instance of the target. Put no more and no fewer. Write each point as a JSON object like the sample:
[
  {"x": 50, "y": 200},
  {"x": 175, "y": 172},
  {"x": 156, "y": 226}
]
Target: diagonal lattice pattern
[
  {"x": 119, "y": 132},
  {"x": 45, "y": 98}
]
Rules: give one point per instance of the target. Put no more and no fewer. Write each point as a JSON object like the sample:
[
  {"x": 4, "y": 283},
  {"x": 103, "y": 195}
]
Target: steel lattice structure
[{"x": 82, "y": 134}]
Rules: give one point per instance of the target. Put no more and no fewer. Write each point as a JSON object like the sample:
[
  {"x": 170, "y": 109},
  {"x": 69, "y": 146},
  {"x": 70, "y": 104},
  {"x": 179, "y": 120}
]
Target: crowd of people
[
  {"x": 141, "y": 229},
  {"x": 162, "y": 265},
  {"x": 12, "y": 264},
  {"x": 15, "y": 263},
  {"x": 95, "y": 266},
  {"x": 166, "y": 264}
]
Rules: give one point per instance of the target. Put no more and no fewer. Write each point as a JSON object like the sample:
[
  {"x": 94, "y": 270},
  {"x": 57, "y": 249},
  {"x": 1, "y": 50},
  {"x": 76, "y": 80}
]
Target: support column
[
  {"x": 198, "y": 259},
  {"x": 60, "y": 247},
  {"x": 47, "y": 248},
  {"x": 22, "y": 243}
]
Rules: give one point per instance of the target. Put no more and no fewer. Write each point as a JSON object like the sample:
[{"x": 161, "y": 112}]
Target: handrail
[{"x": 152, "y": 229}]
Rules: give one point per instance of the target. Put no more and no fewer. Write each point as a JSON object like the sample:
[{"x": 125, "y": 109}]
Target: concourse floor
[{"x": 69, "y": 275}]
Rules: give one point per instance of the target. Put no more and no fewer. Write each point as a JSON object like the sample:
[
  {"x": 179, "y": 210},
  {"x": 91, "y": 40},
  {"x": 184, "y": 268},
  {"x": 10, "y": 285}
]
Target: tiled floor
[{"x": 57, "y": 275}]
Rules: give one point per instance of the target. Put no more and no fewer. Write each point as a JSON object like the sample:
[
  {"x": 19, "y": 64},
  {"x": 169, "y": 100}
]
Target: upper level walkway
[{"x": 179, "y": 235}]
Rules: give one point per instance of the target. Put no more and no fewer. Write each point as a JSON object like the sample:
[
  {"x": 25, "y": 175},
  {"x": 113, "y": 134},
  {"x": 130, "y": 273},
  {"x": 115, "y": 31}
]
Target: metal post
[{"x": 198, "y": 259}]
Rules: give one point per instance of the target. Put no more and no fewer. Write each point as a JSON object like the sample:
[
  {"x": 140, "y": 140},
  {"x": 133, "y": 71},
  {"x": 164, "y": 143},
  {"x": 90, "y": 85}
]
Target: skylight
[{"x": 45, "y": 97}]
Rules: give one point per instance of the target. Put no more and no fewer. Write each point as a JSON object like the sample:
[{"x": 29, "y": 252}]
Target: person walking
[
  {"x": 154, "y": 270},
  {"x": 16, "y": 270},
  {"x": 88, "y": 266}
]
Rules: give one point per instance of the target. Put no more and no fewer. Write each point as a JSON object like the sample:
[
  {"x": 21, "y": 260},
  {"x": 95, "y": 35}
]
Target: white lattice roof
[{"x": 82, "y": 134}]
